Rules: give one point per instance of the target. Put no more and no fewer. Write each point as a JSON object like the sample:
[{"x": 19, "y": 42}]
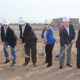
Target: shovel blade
[
  {"x": 42, "y": 55},
  {"x": 58, "y": 56},
  {"x": 25, "y": 56},
  {"x": 10, "y": 58}
]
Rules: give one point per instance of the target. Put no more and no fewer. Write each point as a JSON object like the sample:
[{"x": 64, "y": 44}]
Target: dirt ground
[{"x": 40, "y": 72}]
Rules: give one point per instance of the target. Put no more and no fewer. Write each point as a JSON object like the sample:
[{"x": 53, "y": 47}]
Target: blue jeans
[{"x": 7, "y": 53}]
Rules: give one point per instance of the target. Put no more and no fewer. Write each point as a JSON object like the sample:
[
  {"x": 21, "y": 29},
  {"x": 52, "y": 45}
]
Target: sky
[{"x": 36, "y": 11}]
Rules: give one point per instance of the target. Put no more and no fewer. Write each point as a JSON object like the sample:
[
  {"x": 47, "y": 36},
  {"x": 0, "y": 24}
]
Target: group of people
[
  {"x": 27, "y": 37},
  {"x": 29, "y": 41}
]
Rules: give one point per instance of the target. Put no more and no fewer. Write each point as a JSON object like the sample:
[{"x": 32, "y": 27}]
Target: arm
[
  {"x": 42, "y": 35},
  {"x": 2, "y": 35}
]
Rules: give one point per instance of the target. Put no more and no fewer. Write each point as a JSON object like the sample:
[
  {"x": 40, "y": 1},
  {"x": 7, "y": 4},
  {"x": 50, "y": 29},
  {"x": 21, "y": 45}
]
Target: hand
[
  {"x": 20, "y": 39},
  {"x": 7, "y": 49},
  {"x": 72, "y": 41},
  {"x": 45, "y": 44},
  {"x": 2, "y": 43},
  {"x": 23, "y": 44},
  {"x": 66, "y": 47}
]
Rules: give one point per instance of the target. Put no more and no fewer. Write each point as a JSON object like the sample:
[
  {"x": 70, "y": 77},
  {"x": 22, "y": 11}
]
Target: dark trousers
[
  {"x": 78, "y": 57},
  {"x": 33, "y": 53},
  {"x": 48, "y": 51}
]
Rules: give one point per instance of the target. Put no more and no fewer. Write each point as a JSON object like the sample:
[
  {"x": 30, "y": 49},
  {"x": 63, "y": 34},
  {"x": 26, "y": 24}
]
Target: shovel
[
  {"x": 10, "y": 58},
  {"x": 43, "y": 55},
  {"x": 24, "y": 55},
  {"x": 59, "y": 56}
]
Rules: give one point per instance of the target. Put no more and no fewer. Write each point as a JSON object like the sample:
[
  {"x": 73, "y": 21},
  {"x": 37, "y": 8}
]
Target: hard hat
[
  {"x": 22, "y": 20},
  {"x": 65, "y": 19},
  {"x": 5, "y": 22},
  {"x": 46, "y": 21}
]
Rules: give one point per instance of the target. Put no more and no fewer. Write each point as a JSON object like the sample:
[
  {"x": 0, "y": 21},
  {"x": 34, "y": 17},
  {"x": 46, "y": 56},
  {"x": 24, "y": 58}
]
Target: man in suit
[
  {"x": 29, "y": 40},
  {"x": 67, "y": 36},
  {"x": 8, "y": 39}
]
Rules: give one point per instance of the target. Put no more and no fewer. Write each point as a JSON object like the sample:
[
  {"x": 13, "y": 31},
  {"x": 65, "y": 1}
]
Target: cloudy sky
[{"x": 36, "y": 11}]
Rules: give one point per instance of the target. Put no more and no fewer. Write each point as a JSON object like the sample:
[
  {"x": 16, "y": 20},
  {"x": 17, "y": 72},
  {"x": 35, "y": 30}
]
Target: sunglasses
[{"x": 4, "y": 25}]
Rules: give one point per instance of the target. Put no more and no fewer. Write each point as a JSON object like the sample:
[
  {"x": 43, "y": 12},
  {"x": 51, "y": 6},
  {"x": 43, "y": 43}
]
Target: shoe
[
  {"x": 25, "y": 64},
  {"x": 7, "y": 61},
  {"x": 69, "y": 65},
  {"x": 45, "y": 62},
  {"x": 13, "y": 64},
  {"x": 61, "y": 67},
  {"x": 49, "y": 65},
  {"x": 34, "y": 64}
]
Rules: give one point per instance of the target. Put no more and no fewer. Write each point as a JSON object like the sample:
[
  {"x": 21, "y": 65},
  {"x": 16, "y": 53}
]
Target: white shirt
[
  {"x": 67, "y": 30},
  {"x": 5, "y": 32},
  {"x": 23, "y": 28},
  {"x": 45, "y": 35}
]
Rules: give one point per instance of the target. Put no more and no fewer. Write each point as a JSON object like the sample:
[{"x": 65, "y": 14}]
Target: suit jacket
[
  {"x": 29, "y": 37},
  {"x": 78, "y": 40},
  {"x": 10, "y": 37},
  {"x": 64, "y": 38}
]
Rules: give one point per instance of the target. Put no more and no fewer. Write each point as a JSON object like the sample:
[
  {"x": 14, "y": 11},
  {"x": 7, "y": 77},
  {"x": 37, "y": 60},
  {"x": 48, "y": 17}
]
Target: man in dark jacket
[
  {"x": 29, "y": 40},
  {"x": 8, "y": 39},
  {"x": 67, "y": 36}
]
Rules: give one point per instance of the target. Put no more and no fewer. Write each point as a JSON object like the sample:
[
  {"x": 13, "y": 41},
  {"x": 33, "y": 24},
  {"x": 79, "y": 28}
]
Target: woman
[
  {"x": 48, "y": 40},
  {"x": 78, "y": 49}
]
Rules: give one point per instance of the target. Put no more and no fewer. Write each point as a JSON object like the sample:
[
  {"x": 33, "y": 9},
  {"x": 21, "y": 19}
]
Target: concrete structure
[{"x": 56, "y": 22}]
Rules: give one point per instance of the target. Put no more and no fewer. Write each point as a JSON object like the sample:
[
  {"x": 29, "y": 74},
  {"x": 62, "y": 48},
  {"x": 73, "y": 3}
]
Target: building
[{"x": 56, "y": 22}]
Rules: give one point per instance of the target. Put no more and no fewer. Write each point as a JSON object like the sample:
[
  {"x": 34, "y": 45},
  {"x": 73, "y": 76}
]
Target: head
[
  {"x": 61, "y": 23},
  {"x": 66, "y": 21},
  {"x": 5, "y": 26},
  {"x": 47, "y": 25},
  {"x": 23, "y": 25},
  {"x": 5, "y": 23},
  {"x": 22, "y": 21}
]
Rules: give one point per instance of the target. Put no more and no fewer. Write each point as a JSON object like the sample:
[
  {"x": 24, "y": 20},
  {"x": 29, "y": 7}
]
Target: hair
[{"x": 47, "y": 28}]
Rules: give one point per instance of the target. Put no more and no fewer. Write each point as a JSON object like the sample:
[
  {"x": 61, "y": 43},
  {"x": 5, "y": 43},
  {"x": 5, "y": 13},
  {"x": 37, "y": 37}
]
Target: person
[
  {"x": 78, "y": 49},
  {"x": 8, "y": 39},
  {"x": 67, "y": 36},
  {"x": 48, "y": 40},
  {"x": 29, "y": 40}
]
